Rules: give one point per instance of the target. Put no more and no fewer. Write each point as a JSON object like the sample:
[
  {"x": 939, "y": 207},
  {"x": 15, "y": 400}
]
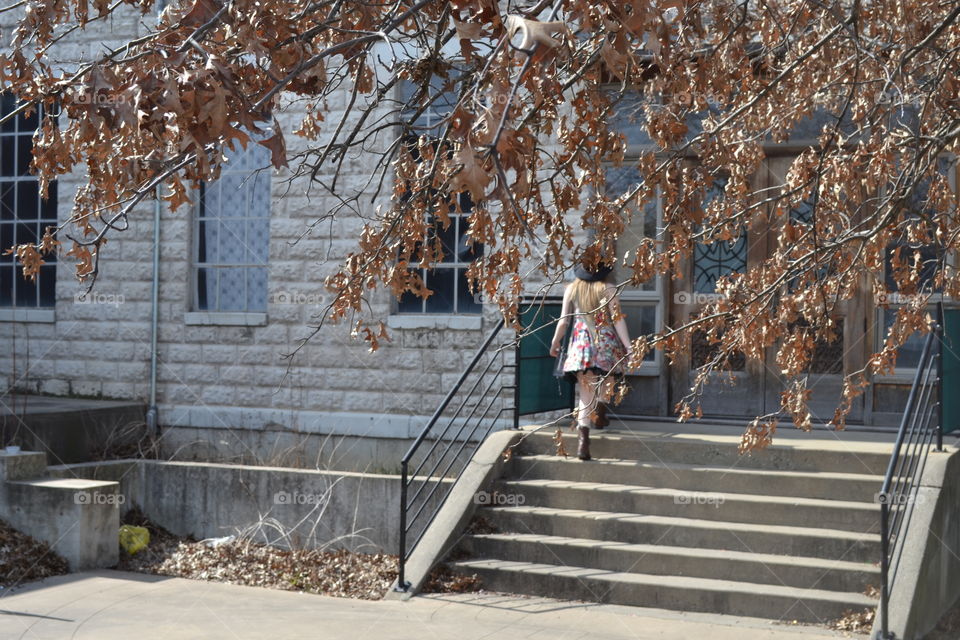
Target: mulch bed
[
  {"x": 23, "y": 559},
  {"x": 340, "y": 573}
]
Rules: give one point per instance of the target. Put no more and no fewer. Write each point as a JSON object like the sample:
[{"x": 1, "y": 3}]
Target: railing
[
  {"x": 922, "y": 424},
  {"x": 424, "y": 490}
]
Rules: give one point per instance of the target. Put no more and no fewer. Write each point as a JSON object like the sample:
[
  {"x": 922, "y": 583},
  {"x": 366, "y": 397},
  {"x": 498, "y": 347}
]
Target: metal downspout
[{"x": 153, "y": 425}]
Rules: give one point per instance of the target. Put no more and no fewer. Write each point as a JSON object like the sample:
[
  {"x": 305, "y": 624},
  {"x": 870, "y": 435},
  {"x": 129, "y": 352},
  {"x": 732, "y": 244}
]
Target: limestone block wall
[{"x": 223, "y": 376}]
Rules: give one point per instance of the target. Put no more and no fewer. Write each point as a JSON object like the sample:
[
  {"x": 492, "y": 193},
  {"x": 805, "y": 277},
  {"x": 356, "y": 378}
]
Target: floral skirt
[{"x": 583, "y": 355}]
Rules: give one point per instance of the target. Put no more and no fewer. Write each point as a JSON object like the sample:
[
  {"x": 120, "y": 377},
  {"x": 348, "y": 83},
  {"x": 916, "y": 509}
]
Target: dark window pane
[
  {"x": 447, "y": 238},
  {"x": 24, "y": 155},
  {"x": 206, "y": 239},
  {"x": 441, "y": 282},
  {"x": 466, "y": 302},
  {"x": 6, "y": 285},
  {"x": 47, "y": 282},
  {"x": 908, "y": 355},
  {"x": 7, "y": 104},
  {"x": 48, "y": 207},
  {"x": 8, "y": 149},
  {"x": 28, "y": 200},
  {"x": 641, "y": 321},
  {"x": 26, "y": 291},
  {"x": 30, "y": 122},
  {"x": 8, "y": 206},
  {"x": 26, "y": 233},
  {"x": 410, "y": 302},
  {"x": 465, "y": 202},
  {"x": 467, "y": 250},
  {"x": 6, "y": 241},
  {"x": 205, "y": 280},
  {"x": 52, "y": 256},
  {"x": 929, "y": 257}
]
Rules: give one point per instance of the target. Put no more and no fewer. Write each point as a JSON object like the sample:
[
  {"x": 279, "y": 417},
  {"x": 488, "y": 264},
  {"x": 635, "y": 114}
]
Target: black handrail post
[
  {"x": 401, "y": 583},
  {"x": 516, "y": 383},
  {"x": 940, "y": 338},
  {"x": 884, "y": 563}
]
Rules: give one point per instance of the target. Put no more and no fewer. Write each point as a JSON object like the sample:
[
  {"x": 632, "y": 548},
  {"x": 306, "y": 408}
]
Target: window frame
[
  {"x": 36, "y": 312},
  {"x": 426, "y": 125},
  {"x": 455, "y": 265},
  {"x": 906, "y": 374},
  {"x": 215, "y": 315},
  {"x": 636, "y": 297}
]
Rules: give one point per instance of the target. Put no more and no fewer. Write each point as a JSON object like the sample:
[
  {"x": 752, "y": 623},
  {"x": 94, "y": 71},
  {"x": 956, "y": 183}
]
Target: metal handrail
[
  {"x": 916, "y": 434},
  {"x": 426, "y": 509}
]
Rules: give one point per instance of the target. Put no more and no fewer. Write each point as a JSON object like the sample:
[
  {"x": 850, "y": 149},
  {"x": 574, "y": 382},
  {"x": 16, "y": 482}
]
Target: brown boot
[
  {"x": 583, "y": 443},
  {"x": 600, "y": 419}
]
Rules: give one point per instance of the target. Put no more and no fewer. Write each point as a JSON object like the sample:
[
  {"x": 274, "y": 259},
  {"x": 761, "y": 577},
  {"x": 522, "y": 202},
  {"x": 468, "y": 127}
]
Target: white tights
[{"x": 587, "y": 387}]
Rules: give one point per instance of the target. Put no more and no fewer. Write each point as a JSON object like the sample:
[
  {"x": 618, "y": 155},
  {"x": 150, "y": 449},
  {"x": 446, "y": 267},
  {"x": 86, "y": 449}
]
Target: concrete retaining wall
[
  {"x": 293, "y": 507},
  {"x": 927, "y": 581}
]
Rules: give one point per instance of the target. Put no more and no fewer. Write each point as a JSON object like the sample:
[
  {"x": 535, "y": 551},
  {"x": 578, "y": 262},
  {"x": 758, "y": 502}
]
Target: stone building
[{"x": 241, "y": 281}]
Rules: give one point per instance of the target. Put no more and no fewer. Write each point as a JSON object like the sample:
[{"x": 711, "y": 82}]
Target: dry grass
[{"x": 333, "y": 573}]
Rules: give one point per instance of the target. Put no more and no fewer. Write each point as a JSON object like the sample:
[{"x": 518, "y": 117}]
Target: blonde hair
[{"x": 587, "y": 299}]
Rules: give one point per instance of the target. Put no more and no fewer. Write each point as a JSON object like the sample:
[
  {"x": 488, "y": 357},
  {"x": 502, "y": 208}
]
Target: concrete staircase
[{"x": 685, "y": 524}]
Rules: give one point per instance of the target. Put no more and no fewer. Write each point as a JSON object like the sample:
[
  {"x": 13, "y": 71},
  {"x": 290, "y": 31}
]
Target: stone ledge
[{"x": 233, "y": 319}]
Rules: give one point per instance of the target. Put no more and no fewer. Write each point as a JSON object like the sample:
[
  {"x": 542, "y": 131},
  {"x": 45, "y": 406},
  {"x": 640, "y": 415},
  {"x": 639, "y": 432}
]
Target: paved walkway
[{"x": 112, "y": 605}]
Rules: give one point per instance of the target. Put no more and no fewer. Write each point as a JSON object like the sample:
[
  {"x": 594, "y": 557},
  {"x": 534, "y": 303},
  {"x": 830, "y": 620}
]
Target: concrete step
[
  {"x": 759, "y": 568},
  {"x": 670, "y": 592},
  {"x": 78, "y": 518},
  {"x": 790, "y": 455},
  {"x": 705, "y": 505},
  {"x": 834, "y": 544},
  {"x": 857, "y": 487}
]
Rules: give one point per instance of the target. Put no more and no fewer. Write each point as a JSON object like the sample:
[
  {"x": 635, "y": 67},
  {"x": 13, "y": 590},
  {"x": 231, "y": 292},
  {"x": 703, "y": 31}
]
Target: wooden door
[
  {"x": 831, "y": 359},
  {"x": 737, "y": 391}
]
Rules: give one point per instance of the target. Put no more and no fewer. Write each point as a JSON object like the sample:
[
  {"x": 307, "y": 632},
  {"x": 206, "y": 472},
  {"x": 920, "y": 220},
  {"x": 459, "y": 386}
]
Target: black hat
[{"x": 599, "y": 274}]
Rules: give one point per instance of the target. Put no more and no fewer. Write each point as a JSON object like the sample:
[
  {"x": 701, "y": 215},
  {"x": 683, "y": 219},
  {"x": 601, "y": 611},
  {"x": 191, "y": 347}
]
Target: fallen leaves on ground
[
  {"x": 23, "y": 559},
  {"x": 856, "y": 621},
  {"x": 339, "y": 573},
  {"x": 444, "y": 580}
]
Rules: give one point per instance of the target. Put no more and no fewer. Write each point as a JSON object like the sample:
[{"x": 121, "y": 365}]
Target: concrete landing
[
  {"x": 112, "y": 605},
  {"x": 67, "y": 430}
]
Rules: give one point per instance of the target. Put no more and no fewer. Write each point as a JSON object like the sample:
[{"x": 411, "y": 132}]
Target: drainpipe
[{"x": 153, "y": 425}]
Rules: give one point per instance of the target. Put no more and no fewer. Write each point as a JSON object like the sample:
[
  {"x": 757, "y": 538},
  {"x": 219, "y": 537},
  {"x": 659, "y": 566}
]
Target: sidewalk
[{"x": 112, "y": 605}]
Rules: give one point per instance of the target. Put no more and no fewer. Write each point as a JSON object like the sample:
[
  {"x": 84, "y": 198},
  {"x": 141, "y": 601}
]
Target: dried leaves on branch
[{"x": 535, "y": 102}]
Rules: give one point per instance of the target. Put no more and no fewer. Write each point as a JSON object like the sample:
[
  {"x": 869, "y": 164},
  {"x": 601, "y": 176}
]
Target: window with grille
[
  {"x": 448, "y": 279},
  {"x": 23, "y": 215},
  {"x": 232, "y": 235}
]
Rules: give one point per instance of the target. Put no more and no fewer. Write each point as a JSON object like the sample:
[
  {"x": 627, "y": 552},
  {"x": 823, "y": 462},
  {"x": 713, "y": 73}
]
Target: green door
[
  {"x": 951, "y": 370},
  {"x": 539, "y": 390}
]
